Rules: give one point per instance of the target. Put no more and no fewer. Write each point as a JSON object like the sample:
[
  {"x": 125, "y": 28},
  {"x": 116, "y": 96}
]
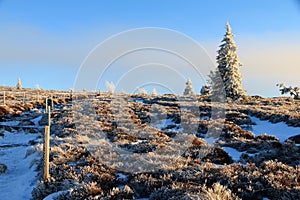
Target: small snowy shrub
[
  {"x": 110, "y": 86},
  {"x": 293, "y": 91}
]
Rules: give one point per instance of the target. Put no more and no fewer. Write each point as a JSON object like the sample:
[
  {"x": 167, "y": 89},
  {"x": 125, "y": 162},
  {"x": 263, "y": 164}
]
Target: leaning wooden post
[{"x": 46, "y": 153}]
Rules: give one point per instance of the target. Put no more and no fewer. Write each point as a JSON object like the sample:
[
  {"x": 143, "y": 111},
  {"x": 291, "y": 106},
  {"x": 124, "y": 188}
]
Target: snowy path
[{"x": 20, "y": 178}]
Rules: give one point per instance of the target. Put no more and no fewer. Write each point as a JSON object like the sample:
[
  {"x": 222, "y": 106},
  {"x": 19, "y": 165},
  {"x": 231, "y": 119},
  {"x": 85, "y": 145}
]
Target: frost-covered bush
[
  {"x": 219, "y": 192},
  {"x": 293, "y": 91},
  {"x": 141, "y": 91},
  {"x": 205, "y": 90},
  {"x": 110, "y": 86}
]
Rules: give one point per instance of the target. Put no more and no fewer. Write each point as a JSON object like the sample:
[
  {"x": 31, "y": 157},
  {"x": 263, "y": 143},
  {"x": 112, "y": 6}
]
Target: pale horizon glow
[{"x": 45, "y": 43}]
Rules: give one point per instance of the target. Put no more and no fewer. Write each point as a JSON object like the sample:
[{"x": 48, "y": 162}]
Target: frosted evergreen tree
[
  {"x": 189, "y": 90},
  {"x": 19, "y": 84},
  {"x": 228, "y": 67}
]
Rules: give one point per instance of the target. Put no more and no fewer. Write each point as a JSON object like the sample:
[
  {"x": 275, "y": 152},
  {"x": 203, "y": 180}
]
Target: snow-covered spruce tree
[
  {"x": 19, "y": 84},
  {"x": 228, "y": 67},
  {"x": 189, "y": 90}
]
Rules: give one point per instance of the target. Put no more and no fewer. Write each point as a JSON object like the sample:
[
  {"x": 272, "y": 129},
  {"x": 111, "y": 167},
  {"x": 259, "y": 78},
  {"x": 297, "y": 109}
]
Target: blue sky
[{"x": 45, "y": 42}]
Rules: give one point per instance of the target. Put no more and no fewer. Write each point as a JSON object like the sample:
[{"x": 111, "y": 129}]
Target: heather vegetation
[
  {"x": 110, "y": 145},
  {"x": 85, "y": 166}
]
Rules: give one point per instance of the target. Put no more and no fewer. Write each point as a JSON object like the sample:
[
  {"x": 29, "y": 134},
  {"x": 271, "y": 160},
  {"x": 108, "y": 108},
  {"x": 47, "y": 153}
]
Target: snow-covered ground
[
  {"x": 161, "y": 124},
  {"x": 20, "y": 178},
  {"x": 280, "y": 130},
  {"x": 235, "y": 154}
]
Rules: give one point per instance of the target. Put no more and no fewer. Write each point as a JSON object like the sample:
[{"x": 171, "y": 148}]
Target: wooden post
[
  {"x": 46, "y": 106},
  {"x": 24, "y": 95},
  {"x": 46, "y": 153},
  {"x": 52, "y": 103},
  {"x": 49, "y": 116},
  {"x": 38, "y": 97},
  {"x": 4, "y": 98}
]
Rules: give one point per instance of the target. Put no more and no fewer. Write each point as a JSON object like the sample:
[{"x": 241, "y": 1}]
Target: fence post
[
  {"x": 24, "y": 95},
  {"x": 4, "y": 98},
  {"x": 49, "y": 116},
  {"x": 52, "y": 103},
  {"x": 46, "y": 153},
  {"x": 46, "y": 106}
]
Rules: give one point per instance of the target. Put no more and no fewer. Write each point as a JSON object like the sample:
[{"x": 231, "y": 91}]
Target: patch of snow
[
  {"x": 280, "y": 130},
  {"x": 252, "y": 154},
  {"x": 36, "y": 120},
  {"x": 177, "y": 129},
  {"x": 210, "y": 140},
  {"x": 10, "y": 123},
  {"x": 235, "y": 154},
  {"x": 160, "y": 124},
  {"x": 17, "y": 138},
  {"x": 72, "y": 164},
  {"x": 121, "y": 177},
  {"x": 138, "y": 142},
  {"x": 205, "y": 117},
  {"x": 20, "y": 178},
  {"x": 54, "y": 195},
  {"x": 139, "y": 100}
]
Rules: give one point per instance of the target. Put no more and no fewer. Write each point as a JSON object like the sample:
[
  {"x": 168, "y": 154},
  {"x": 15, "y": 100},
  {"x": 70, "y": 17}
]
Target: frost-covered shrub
[
  {"x": 142, "y": 91},
  {"x": 205, "y": 90},
  {"x": 293, "y": 91},
  {"x": 219, "y": 192},
  {"x": 110, "y": 86}
]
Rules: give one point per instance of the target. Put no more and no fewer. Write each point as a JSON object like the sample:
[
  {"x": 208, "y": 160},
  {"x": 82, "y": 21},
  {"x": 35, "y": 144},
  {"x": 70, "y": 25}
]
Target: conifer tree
[
  {"x": 19, "y": 84},
  {"x": 189, "y": 90},
  {"x": 228, "y": 67}
]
